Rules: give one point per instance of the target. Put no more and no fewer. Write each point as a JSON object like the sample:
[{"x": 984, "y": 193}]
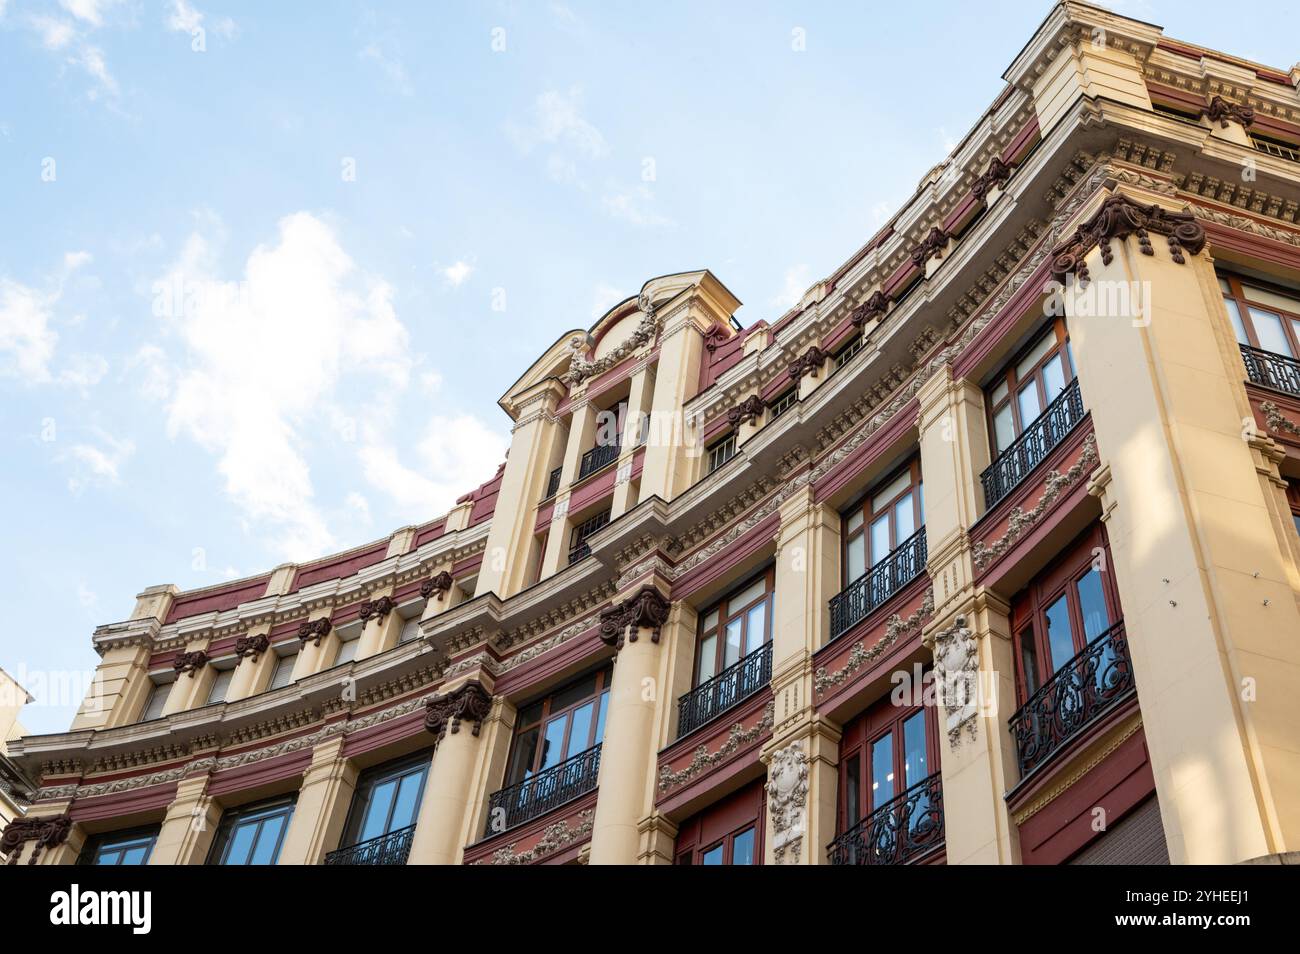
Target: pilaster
[{"x": 322, "y": 807}]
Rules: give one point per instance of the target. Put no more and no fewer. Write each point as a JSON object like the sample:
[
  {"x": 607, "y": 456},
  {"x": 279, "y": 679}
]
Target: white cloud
[
  {"x": 86, "y": 10},
  {"x": 185, "y": 18},
  {"x": 389, "y": 60},
  {"x": 557, "y": 122},
  {"x": 457, "y": 274},
  {"x": 359, "y": 505},
  {"x": 27, "y": 341},
  {"x": 84, "y": 371},
  {"x": 55, "y": 34},
  {"x": 797, "y": 280},
  {"x": 97, "y": 464},
  {"x": 603, "y": 298},
  {"x": 634, "y": 206},
  {"x": 261, "y": 366},
  {"x": 91, "y": 59}
]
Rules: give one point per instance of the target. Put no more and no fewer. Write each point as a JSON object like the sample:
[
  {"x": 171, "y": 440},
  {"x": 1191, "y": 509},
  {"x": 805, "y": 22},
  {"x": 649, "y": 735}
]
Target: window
[
  {"x": 347, "y": 651},
  {"x": 578, "y": 537},
  {"x": 1293, "y": 499},
  {"x": 1022, "y": 391},
  {"x": 1275, "y": 147},
  {"x": 157, "y": 701},
  {"x": 120, "y": 847},
  {"x": 221, "y": 685},
  {"x": 782, "y": 404},
  {"x": 282, "y": 674},
  {"x": 410, "y": 630},
  {"x": 885, "y": 519},
  {"x": 1262, "y": 317},
  {"x": 568, "y": 721},
  {"x": 387, "y": 799},
  {"x": 737, "y": 626},
  {"x": 845, "y": 354},
  {"x": 721, "y": 452},
  {"x": 1065, "y": 608},
  {"x": 728, "y": 832},
  {"x": 252, "y": 835},
  {"x": 883, "y": 753}
]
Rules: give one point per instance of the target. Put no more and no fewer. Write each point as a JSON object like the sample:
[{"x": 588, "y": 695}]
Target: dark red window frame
[
  {"x": 720, "y": 823},
  {"x": 879, "y": 720}
]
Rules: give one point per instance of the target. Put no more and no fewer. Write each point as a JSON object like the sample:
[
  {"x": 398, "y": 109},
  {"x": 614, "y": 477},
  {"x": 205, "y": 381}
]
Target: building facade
[{"x": 985, "y": 552}]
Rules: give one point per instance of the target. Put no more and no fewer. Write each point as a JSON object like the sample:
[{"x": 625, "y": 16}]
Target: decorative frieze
[
  {"x": 1276, "y": 421},
  {"x": 438, "y": 585},
  {"x": 646, "y": 610},
  {"x": 469, "y": 703},
  {"x": 554, "y": 837},
  {"x": 860, "y": 656},
  {"x": 580, "y": 369},
  {"x": 1117, "y": 219},
  {"x": 45, "y": 832},
  {"x": 190, "y": 663},
  {"x": 956, "y": 669},
  {"x": 787, "y": 801},
  {"x": 314, "y": 630},
  {"x": 702, "y": 760},
  {"x": 748, "y": 411},
  {"x": 376, "y": 609},
  {"x": 252, "y": 646}
]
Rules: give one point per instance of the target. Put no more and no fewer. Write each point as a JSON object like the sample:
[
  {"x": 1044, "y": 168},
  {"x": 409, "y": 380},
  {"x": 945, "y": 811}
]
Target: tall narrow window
[
  {"x": 722, "y": 451},
  {"x": 347, "y": 650},
  {"x": 387, "y": 799},
  {"x": 221, "y": 685},
  {"x": 568, "y": 721},
  {"x": 886, "y": 518},
  {"x": 893, "y": 749},
  {"x": 282, "y": 675},
  {"x": 1263, "y": 316},
  {"x": 1022, "y": 391},
  {"x": 578, "y": 547},
  {"x": 738, "y": 625},
  {"x": 157, "y": 701},
  {"x": 253, "y": 834}
]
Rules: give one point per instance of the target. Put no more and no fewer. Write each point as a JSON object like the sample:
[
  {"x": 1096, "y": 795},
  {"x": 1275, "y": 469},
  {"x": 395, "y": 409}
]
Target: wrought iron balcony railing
[
  {"x": 1037, "y": 440},
  {"x": 896, "y": 832},
  {"x": 1271, "y": 370},
  {"x": 724, "y": 691},
  {"x": 1080, "y": 691},
  {"x": 598, "y": 457},
  {"x": 537, "y": 795},
  {"x": 856, "y": 601},
  {"x": 390, "y": 849}
]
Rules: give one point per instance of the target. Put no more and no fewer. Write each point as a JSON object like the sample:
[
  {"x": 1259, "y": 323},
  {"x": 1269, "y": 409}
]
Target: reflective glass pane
[
  {"x": 1238, "y": 326},
  {"x": 755, "y": 628},
  {"x": 713, "y": 856},
  {"x": 1059, "y": 637},
  {"x": 1025, "y": 365},
  {"x": 268, "y": 841},
  {"x": 879, "y": 539},
  {"x": 584, "y": 688},
  {"x": 1264, "y": 296},
  {"x": 135, "y": 855},
  {"x": 111, "y": 857},
  {"x": 580, "y": 734},
  {"x": 731, "y": 651},
  {"x": 221, "y": 685},
  {"x": 882, "y": 771},
  {"x": 914, "y": 763},
  {"x": 711, "y": 620},
  {"x": 1054, "y": 377},
  {"x": 347, "y": 651},
  {"x": 746, "y": 596},
  {"x": 852, "y": 791},
  {"x": 1029, "y": 662},
  {"x": 855, "y": 522},
  {"x": 742, "y": 848},
  {"x": 407, "y": 804},
  {"x": 553, "y": 743},
  {"x": 283, "y": 674},
  {"x": 1092, "y": 604},
  {"x": 525, "y": 754},
  {"x": 1004, "y": 428},
  {"x": 883, "y": 495},
  {"x": 708, "y": 659},
  {"x": 904, "y": 519},
  {"x": 600, "y": 717},
  {"x": 855, "y": 558},
  {"x": 241, "y": 844},
  {"x": 1030, "y": 407},
  {"x": 1268, "y": 328},
  {"x": 999, "y": 392},
  {"x": 377, "y": 809}
]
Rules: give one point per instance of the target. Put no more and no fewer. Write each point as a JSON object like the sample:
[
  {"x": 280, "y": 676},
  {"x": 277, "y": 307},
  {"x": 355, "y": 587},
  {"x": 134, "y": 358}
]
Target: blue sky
[{"x": 376, "y": 217}]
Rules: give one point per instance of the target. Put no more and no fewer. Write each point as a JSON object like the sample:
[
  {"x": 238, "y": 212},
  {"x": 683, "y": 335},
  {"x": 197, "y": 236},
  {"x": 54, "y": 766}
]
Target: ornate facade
[{"x": 985, "y": 552}]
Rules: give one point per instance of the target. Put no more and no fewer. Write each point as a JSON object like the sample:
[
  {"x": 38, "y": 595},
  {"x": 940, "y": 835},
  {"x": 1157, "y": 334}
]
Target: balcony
[
  {"x": 724, "y": 691},
  {"x": 856, "y": 602},
  {"x": 897, "y": 832},
  {"x": 553, "y": 483},
  {"x": 1082, "y": 690},
  {"x": 390, "y": 849},
  {"x": 1038, "y": 440},
  {"x": 599, "y": 456},
  {"x": 537, "y": 795},
  {"x": 1271, "y": 370}
]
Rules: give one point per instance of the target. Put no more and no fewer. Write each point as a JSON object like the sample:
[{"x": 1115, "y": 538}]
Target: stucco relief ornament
[
  {"x": 46, "y": 832},
  {"x": 875, "y": 306},
  {"x": 787, "y": 800},
  {"x": 1276, "y": 421},
  {"x": 376, "y": 609},
  {"x": 314, "y": 630},
  {"x": 470, "y": 703},
  {"x": 956, "y": 667},
  {"x": 748, "y": 410},
  {"x": 1221, "y": 111},
  {"x": 580, "y": 368},
  {"x": 997, "y": 174},
  {"x": 646, "y": 610},
  {"x": 440, "y": 584},
  {"x": 931, "y": 246},
  {"x": 252, "y": 646},
  {"x": 810, "y": 362},
  {"x": 1118, "y": 218},
  {"x": 190, "y": 663}
]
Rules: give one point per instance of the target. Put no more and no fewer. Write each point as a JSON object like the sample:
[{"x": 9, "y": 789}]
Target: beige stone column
[
  {"x": 322, "y": 807},
  {"x": 119, "y": 691},
  {"x": 256, "y": 663},
  {"x": 381, "y": 627},
  {"x": 532, "y": 444},
  {"x": 635, "y": 627},
  {"x": 668, "y": 469},
  {"x": 320, "y": 645},
  {"x": 455, "y": 719},
  {"x": 1209, "y": 610},
  {"x": 581, "y": 438},
  {"x": 638, "y": 409},
  {"x": 189, "y": 825},
  {"x": 193, "y": 681}
]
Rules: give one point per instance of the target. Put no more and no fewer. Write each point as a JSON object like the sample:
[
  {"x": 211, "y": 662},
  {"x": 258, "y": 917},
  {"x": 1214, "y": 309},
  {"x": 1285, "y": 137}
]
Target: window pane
[
  {"x": 600, "y": 717},
  {"x": 731, "y": 651},
  {"x": 1025, "y": 366},
  {"x": 553, "y": 744},
  {"x": 1029, "y": 661},
  {"x": 855, "y": 522},
  {"x": 1060, "y": 640},
  {"x": 525, "y": 755},
  {"x": 408, "y": 801},
  {"x": 268, "y": 841},
  {"x": 711, "y": 620},
  {"x": 1030, "y": 407},
  {"x": 713, "y": 856},
  {"x": 755, "y": 628},
  {"x": 1289, "y": 303},
  {"x": 1004, "y": 428},
  {"x": 1238, "y": 327},
  {"x": 920, "y": 499},
  {"x": 1054, "y": 377},
  {"x": 852, "y": 791},
  {"x": 283, "y": 674},
  {"x": 742, "y": 848},
  {"x": 882, "y": 771},
  {"x": 708, "y": 659},
  {"x": 410, "y": 630},
  {"x": 879, "y": 539},
  {"x": 241, "y": 843},
  {"x": 157, "y": 701},
  {"x": 584, "y": 688},
  {"x": 999, "y": 393},
  {"x": 855, "y": 557},
  {"x": 580, "y": 734},
  {"x": 347, "y": 652},
  {"x": 1092, "y": 604},
  {"x": 746, "y": 596},
  {"x": 914, "y": 764},
  {"x": 1268, "y": 328},
  {"x": 904, "y": 519},
  {"x": 883, "y": 495},
  {"x": 221, "y": 685},
  {"x": 377, "y": 810}
]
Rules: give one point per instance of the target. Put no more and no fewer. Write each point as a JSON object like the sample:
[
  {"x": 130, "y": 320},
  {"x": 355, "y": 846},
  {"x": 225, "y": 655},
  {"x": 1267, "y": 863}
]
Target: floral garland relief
[
  {"x": 860, "y": 655},
  {"x": 554, "y": 837},
  {"x": 703, "y": 760}
]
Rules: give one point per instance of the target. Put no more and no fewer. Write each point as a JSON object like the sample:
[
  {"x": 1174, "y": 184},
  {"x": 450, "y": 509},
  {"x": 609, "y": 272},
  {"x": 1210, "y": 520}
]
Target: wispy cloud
[
  {"x": 386, "y": 55},
  {"x": 635, "y": 206},
  {"x": 457, "y": 274},
  {"x": 186, "y": 18},
  {"x": 797, "y": 280},
  {"x": 98, "y": 463},
  {"x": 557, "y": 125}
]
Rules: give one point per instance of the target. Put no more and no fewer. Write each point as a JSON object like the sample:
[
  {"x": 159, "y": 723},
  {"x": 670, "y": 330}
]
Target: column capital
[
  {"x": 376, "y": 609},
  {"x": 46, "y": 832},
  {"x": 645, "y": 609},
  {"x": 470, "y": 702}
]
